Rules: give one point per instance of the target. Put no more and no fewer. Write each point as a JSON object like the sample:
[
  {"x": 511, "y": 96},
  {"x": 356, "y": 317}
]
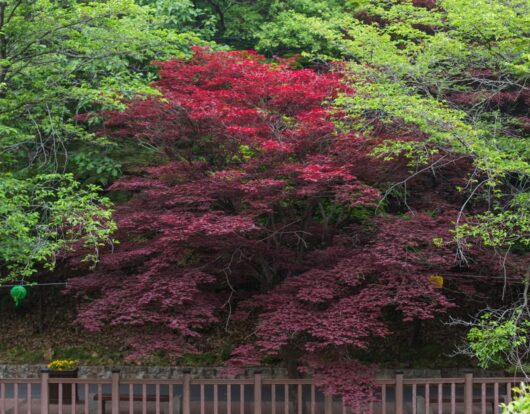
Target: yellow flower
[{"x": 63, "y": 364}]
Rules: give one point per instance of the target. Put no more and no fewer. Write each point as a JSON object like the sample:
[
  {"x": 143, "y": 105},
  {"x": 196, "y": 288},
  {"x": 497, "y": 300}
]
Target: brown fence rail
[{"x": 187, "y": 395}]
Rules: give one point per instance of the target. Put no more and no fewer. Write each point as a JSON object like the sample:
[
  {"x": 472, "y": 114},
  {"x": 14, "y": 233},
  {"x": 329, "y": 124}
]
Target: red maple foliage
[{"x": 264, "y": 212}]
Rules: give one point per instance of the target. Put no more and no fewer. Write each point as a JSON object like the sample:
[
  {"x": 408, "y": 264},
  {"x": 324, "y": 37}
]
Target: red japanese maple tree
[{"x": 263, "y": 211}]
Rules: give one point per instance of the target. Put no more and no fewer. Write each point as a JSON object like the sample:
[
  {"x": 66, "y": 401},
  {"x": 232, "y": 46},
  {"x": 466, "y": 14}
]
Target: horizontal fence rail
[{"x": 187, "y": 395}]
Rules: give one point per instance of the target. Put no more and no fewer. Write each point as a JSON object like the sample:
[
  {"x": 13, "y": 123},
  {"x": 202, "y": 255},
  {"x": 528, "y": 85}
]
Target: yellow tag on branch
[{"x": 437, "y": 280}]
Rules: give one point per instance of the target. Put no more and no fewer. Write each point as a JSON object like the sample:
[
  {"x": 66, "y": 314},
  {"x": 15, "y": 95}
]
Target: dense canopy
[{"x": 310, "y": 178}]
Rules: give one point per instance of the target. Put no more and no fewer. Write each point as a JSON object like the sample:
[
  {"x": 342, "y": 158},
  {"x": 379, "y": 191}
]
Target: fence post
[
  {"x": 186, "y": 392},
  {"x": 328, "y": 404},
  {"x": 115, "y": 406},
  {"x": 257, "y": 392},
  {"x": 398, "y": 409},
  {"x": 468, "y": 392},
  {"x": 44, "y": 395}
]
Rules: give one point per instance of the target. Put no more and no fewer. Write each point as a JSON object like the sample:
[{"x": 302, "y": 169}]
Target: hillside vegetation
[{"x": 322, "y": 185}]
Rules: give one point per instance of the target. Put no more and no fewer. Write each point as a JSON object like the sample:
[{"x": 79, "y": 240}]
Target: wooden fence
[{"x": 258, "y": 395}]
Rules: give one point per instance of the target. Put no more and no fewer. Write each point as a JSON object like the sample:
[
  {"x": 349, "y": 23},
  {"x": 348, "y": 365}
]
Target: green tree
[
  {"x": 456, "y": 73},
  {"x": 455, "y": 77},
  {"x": 45, "y": 215},
  {"x": 59, "y": 60},
  {"x": 279, "y": 27},
  {"x": 184, "y": 16}
]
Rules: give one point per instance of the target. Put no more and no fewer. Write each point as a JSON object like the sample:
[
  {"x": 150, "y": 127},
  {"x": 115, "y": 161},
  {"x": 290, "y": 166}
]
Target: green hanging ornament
[{"x": 18, "y": 293}]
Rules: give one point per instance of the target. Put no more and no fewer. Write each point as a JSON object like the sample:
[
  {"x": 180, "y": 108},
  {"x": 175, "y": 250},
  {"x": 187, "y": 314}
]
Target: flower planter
[{"x": 53, "y": 389}]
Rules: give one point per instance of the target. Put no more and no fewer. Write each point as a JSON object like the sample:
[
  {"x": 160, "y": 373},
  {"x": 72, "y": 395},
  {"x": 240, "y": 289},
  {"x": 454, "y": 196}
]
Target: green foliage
[
  {"x": 59, "y": 60},
  {"x": 278, "y": 27},
  {"x": 205, "y": 359},
  {"x": 47, "y": 214},
  {"x": 62, "y": 59},
  {"x": 309, "y": 30},
  {"x": 406, "y": 73},
  {"x": 491, "y": 339},
  {"x": 378, "y": 97},
  {"x": 28, "y": 357},
  {"x": 183, "y": 16},
  {"x": 93, "y": 167},
  {"x": 521, "y": 403},
  {"x": 506, "y": 228}
]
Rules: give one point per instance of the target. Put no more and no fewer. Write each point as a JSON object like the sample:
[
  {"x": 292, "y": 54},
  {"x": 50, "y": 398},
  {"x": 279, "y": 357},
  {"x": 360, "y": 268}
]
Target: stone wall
[{"x": 162, "y": 372}]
